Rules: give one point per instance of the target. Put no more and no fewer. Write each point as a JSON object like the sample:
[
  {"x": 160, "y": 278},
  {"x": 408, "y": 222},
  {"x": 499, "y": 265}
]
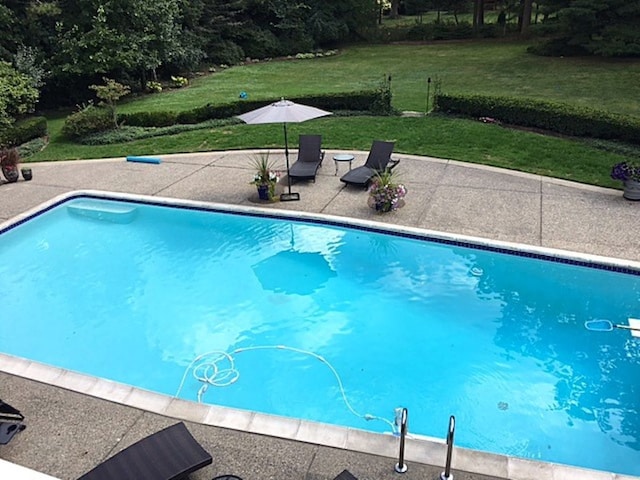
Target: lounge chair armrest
[{"x": 392, "y": 164}]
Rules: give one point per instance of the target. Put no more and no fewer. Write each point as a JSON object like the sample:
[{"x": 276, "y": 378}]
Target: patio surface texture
[{"x": 70, "y": 429}]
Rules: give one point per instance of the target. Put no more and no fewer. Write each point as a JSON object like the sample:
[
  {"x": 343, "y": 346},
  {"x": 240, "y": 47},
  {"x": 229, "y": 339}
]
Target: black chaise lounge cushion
[
  {"x": 11, "y": 422},
  {"x": 345, "y": 475},
  {"x": 169, "y": 454},
  {"x": 7, "y": 412},
  {"x": 378, "y": 160},
  {"x": 8, "y": 430},
  {"x": 310, "y": 156}
]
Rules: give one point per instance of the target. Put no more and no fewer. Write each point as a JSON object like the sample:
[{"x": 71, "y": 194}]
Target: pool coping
[{"x": 420, "y": 449}]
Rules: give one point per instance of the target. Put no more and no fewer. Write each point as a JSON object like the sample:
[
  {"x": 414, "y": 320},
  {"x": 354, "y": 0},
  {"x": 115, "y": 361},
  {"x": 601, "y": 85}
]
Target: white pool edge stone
[{"x": 420, "y": 449}]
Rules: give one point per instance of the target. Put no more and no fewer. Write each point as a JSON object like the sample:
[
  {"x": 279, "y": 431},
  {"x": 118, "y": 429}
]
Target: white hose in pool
[{"x": 206, "y": 369}]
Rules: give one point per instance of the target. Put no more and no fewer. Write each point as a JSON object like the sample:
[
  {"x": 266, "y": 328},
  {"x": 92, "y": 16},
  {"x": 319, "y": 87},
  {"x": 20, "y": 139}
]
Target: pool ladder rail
[
  {"x": 401, "y": 467},
  {"x": 447, "y": 475}
]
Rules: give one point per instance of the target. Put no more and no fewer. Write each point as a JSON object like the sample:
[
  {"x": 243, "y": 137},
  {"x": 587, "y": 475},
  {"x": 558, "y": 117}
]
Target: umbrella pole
[{"x": 287, "y": 197}]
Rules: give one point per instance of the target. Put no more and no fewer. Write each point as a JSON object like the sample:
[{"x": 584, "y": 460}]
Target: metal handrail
[
  {"x": 446, "y": 475},
  {"x": 400, "y": 466}
]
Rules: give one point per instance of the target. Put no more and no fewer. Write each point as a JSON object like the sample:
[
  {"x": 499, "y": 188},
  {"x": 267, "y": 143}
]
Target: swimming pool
[{"x": 495, "y": 338}]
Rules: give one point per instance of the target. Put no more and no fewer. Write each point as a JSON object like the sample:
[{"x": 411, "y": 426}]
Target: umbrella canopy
[{"x": 283, "y": 111}]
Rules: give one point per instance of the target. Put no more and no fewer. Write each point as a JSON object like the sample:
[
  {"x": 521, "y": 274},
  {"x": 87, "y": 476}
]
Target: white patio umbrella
[{"x": 284, "y": 111}]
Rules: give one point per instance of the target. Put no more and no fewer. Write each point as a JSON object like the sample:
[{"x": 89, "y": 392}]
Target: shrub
[
  {"x": 149, "y": 119},
  {"x": 557, "y": 47},
  {"x": 23, "y": 131},
  {"x": 259, "y": 43},
  {"x": 90, "y": 119},
  {"x": 179, "y": 82},
  {"x": 559, "y": 118},
  {"x": 32, "y": 147},
  {"x": 153, "y": 87},
  {"x": 226, "y": 52},
  {"x": 377, "y": 102},
  {"x": 128, "y": 134}
]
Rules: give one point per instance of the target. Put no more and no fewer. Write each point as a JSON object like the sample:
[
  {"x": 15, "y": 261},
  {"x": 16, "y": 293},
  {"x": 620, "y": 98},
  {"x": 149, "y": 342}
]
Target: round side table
[{"x": 342, "y": 158}]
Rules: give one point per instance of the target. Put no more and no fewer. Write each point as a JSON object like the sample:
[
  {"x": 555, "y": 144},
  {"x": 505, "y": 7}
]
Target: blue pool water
[{"x": 366, "y": 322}]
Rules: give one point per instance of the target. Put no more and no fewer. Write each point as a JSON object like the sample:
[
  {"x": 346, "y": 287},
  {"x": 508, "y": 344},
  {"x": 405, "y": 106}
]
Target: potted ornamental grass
[
  {"x": 628, "y": 172},
  {"x": 265, "y": 177},
  {"x": 386, "y": 194},
  {"x": 9, "y": 161}
]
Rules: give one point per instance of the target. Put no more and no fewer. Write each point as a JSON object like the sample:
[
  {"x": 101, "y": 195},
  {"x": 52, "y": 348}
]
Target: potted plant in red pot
[
  {"x": 629, "y": 173},
  {"x": 9, "y": 160}
]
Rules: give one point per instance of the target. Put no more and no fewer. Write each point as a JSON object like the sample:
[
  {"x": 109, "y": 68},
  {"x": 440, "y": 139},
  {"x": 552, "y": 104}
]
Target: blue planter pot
[{"x": 263, "y": 192}]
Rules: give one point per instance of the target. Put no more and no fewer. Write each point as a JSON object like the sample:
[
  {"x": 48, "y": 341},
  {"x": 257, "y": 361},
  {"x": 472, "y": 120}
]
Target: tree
[
  {"x": 525, "y": 21},
  {"x": 17, "y": 94},
  {"x": 456, "y": 7},
  {"x": 601, "y": 27},
  {"x": 478, "y": 14},
  {"x": 215, "y": 27},
  {"x": 7, "y": 40},
  {"x": 135, "y": 37},
  {"x": 109, "y": 94},
  {"x": 418, "y": 7},
  {"x": 395, "y": 6}
]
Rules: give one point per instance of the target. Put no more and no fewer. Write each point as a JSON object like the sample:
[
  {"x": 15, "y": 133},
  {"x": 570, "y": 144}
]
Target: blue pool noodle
[{"x": 143, "y": 159}]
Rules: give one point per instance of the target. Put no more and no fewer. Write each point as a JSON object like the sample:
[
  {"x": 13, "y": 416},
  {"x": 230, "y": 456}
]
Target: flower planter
[
  {"x": 265, "y": 178},
  {"x": 10, "y": 173},
  {"x": 263, "y": 192},
  {"x": 384, "y": 207},
  {"x": 386, "y": 195},
  {"x": 631, "y": 190},
  {"x": 27, "y": 174}
]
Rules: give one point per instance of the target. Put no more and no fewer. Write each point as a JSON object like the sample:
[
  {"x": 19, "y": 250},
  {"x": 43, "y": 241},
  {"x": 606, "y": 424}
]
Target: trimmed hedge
[
  {"x": 377, "y": 102},
  {"x": 560, "y": 118},
  {"x": 24, "y": 131},
  {"x": 127, "y": 133}
]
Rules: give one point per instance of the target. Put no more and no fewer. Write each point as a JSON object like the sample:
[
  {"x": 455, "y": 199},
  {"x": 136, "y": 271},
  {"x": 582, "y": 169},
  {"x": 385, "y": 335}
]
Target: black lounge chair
[
  {"x": 379, "y": 159},
  {"x": 169, "y": 454},
  {"x": 345, "y": 475},
  {"x": 310, "y": 156},
  {"x": 10, "y": 422}
]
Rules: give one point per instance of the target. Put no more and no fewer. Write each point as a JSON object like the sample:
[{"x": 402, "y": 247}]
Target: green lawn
[
  {"x": 488, "y": 67},
  {"x": 482, "y": 67}
]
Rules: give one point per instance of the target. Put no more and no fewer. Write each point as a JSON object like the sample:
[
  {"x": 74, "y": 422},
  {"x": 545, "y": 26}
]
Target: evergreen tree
[{"x": 598, "y": 27}]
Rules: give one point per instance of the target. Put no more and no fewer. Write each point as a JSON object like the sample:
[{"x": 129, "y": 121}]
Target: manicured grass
[
  {"x": 487, "y": 67},
  {"x": 482, "y": 67},
  {"x": 490, "y": 16},
  {"x": 436, "y": 136}
]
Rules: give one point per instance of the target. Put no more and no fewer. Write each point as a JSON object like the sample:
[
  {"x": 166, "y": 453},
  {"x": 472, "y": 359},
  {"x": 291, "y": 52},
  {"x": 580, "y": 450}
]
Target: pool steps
[{"x": 103, "y": 211}]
